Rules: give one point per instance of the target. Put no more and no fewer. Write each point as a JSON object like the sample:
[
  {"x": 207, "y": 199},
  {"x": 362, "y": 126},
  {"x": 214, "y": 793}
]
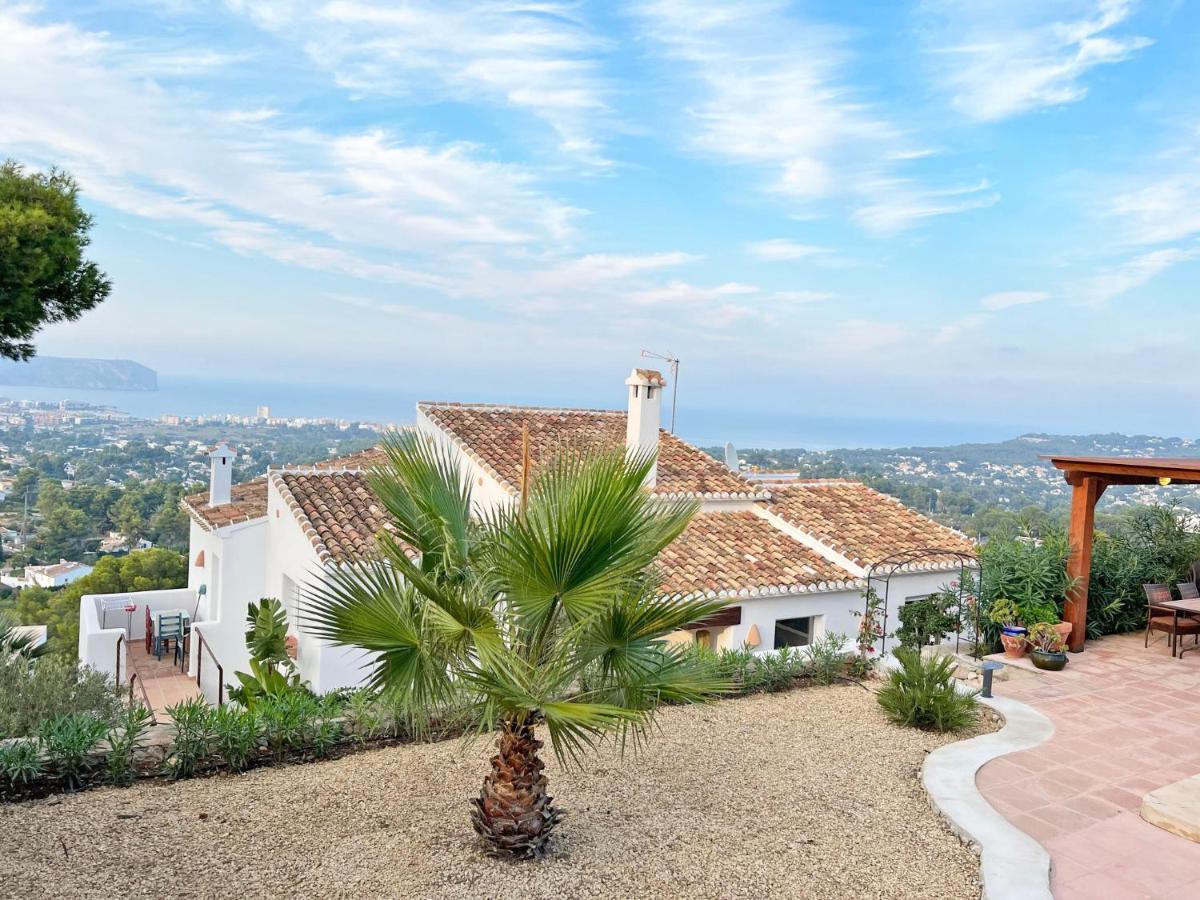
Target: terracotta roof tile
[
  {"x": 249, "y": 501},
  {"x": 363, "y": 459},
  {"x": 492, "y": 436},
  {"x": 740, "y": 552},
  {"x": 337, "y": 510},
  {"x": 860, "y": 523}
]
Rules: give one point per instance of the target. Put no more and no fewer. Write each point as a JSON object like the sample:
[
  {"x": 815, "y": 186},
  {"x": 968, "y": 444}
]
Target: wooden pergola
[{"x": 1089, "y": 477}]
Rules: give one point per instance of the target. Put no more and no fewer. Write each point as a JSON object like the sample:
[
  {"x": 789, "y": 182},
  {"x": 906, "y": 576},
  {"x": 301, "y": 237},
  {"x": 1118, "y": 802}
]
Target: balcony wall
[{"x": 100, "y": 631}]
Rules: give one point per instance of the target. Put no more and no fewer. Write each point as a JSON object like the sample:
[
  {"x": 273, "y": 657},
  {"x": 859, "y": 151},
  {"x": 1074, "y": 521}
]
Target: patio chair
[
  {"x": 170, "y": 628},
  {"x": 149, "y": 632},
  {"x": 1164, "y": 619},
  {"x": 1188, "y": 590}
]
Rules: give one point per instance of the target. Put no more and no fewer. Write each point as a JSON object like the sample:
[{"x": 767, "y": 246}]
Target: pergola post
[{"x": 1086, "y": 490}]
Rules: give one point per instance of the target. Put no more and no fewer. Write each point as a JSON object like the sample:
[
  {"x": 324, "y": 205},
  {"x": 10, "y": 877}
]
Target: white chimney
[
  {"x": 220, "y": 481},
  {"x": 645, "y": 414}
]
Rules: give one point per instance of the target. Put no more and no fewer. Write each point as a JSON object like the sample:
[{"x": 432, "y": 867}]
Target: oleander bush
[
  {"x": 125, "y": 739},
  {"x": 21, "y": 763},
  {"x": 922, "y": 693},
  {"x": 825, "y": 659},
  {"x": 68, "y": 741},
  {"x": 33, "y": 691},
  {"x": 236, "y": 734},
  {"x": 193, "y": 736}
]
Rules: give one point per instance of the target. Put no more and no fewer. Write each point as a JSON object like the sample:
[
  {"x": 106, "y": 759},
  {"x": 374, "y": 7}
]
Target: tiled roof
[
  {"x": 728, "y": 553},
  {"x": 492, "y": 436},
  {"x": 249, "y": 501},
  {"x": 862, "y": 524},
  {"x": 337, "y": 511},
  {"x": 363, "y": 459}
]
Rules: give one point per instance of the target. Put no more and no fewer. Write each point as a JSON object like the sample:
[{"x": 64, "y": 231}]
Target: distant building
[
  {"x": 55, "y": 575},
  {"x": 115, "y": 542},
  {"x": 264, "y": 412}
]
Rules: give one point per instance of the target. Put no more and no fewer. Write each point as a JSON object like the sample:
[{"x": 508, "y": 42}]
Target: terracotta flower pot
[
  {"x": 1064, "y": 630},
  {"x": 1014, "y": 645}
]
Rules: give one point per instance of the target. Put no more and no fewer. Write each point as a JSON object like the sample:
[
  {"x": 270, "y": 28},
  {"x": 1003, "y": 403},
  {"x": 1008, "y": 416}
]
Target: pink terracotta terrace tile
[{"x": 1127, "y": 721}]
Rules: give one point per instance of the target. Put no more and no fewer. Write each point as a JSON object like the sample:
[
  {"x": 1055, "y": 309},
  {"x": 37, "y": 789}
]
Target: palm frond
[
  {"x": 429, "y": 500},
  {"x": 369, "y": 606},
  {"x": 588, "y": 529}
]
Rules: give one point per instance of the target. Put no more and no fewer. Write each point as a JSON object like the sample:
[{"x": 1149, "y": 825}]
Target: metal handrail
[
  {"x": 145, "y": 697},
  {"x": 202, "y": 644}
]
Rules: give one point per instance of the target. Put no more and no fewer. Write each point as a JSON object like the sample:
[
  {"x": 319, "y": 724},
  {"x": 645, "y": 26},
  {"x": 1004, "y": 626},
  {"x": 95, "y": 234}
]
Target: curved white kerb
[{"x": 1014, "y": 865}]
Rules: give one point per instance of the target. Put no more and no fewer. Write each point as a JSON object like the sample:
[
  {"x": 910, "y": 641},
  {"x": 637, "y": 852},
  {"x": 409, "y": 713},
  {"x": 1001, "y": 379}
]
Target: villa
[{"x": 791, "y": 559}]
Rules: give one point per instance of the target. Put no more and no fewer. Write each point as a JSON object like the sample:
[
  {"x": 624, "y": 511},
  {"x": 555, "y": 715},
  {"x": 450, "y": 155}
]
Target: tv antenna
[{"x": 674, "y": 362}]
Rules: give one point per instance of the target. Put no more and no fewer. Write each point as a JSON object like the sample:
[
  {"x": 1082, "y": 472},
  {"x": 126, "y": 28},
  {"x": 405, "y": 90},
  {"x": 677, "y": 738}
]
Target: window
[
  {"x": 290, "y": 597},
  {"x": 793, "y": 632}
]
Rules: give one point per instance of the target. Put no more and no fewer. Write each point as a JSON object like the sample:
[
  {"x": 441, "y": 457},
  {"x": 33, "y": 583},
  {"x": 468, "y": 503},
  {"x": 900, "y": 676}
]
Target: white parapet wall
[{"x": 103, "y": 621}]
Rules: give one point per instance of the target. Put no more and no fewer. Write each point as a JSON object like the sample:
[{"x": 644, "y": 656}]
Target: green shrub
[
  {"x": 33, "y": 691},
  {"x": 928, "y": 619},
  {"x": 124, "y": 740},
  {"x": 825, "y": 658},
  {"x": 364, "y": 715},
  {"x": 69, "y": 740},
  {"x": 193, "y": 736},
  {"x": 236, "y": 735},
  {"x": 327, "y": 729},
  {"x": 21, "y": 762},
  {"x": 922, "y": 694},
  {"x": 288, "y": 722}
]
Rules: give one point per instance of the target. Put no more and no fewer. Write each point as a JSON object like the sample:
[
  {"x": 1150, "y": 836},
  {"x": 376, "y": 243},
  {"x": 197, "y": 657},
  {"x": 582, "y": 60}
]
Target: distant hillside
[
  {"x": 81, "y": 374},
  {"x": 957, "y": 482}
]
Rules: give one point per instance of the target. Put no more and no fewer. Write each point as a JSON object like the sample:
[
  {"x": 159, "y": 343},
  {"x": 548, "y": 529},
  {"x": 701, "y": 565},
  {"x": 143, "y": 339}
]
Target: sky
[{"x": 955, "y": 211}]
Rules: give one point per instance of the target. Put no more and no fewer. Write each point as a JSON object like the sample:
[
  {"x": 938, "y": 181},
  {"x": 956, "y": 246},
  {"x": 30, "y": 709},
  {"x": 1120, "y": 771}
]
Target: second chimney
[
  {"x": 220, "y": 479},
  {"x": 645, "y": 414}
]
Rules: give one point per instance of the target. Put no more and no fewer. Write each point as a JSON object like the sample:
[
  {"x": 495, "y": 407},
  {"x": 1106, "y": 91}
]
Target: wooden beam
[
  {"x": 730, "y": 615},
  {"x": 1086, "y": 492}
]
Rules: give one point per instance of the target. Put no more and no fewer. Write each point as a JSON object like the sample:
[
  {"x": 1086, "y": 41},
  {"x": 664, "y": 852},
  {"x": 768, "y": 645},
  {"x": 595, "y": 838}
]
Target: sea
[{"x": 702, "y": 425}]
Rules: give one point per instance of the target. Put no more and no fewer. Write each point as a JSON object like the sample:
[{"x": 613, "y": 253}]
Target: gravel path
[{"x": 804, "y": 794}]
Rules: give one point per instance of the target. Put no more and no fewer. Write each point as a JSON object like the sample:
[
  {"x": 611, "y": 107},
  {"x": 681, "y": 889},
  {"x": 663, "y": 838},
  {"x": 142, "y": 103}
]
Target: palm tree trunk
[{"x": 513, "y": 813}]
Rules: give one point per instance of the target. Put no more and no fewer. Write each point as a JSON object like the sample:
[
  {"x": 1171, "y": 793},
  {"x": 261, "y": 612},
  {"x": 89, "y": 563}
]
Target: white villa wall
[
  {"x": 834, "y": 610},
  {"x": 291, "y": 565},
  {"x": 235, "y": 572},
  {"x": 486, "y": 491}
]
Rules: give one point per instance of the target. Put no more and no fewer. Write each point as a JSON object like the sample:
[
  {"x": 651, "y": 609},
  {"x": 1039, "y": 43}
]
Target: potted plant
[
  {"x": 1046, "y": 647},
  {"x": 1012, "y": 634}
]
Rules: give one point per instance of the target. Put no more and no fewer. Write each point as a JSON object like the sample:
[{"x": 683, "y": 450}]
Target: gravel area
[{"x": 810, "y": 793}]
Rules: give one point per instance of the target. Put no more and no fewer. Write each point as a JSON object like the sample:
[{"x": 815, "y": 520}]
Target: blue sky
[{"x": 984, "y": 211}]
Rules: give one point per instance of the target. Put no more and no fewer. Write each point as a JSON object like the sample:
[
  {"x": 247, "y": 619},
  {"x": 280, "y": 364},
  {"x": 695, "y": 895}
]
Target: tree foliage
[
  {"x": 146, "y": 570},
  {"x": 44, "y": 277}
]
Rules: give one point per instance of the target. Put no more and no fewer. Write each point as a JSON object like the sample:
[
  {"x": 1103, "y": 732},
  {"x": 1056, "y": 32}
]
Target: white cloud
[
  {"x": 783, "y": 250},
  {"x": 537, "y": 57},
  {"x": 902, "y": 203},
  {"x": 1001, "y": 58},
  {"x": 772, "y": 91},
  {"x": 681, "y": 292},
  {"x": 1009, "y": 299},
  {"x": 1164, "y": 204},
  {"x": 1135, "y": 272},
  {"x": 801, "y": 298},
  {"x": 952, "y": 331}
]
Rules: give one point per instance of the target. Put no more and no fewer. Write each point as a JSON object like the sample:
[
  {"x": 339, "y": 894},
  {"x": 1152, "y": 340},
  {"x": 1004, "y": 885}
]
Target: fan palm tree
[
  {"x": 13, "y": 640},
  {"x": 543, "y": 614}
]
